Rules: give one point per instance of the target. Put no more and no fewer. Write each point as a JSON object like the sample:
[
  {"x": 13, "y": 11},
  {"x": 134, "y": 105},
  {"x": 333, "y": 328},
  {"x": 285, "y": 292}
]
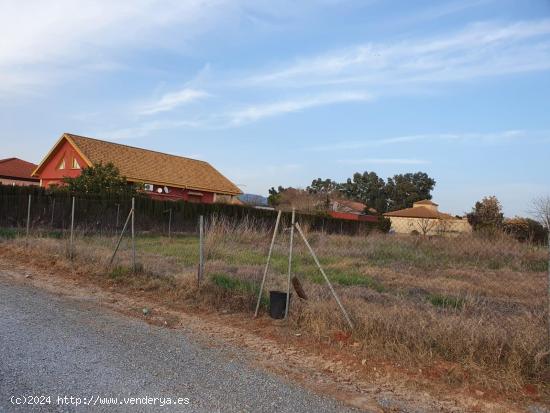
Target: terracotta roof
[
  {"x": 426, "y": 202},
  {"x": 142, "y": 165},
  {"x": 17, "y": 168},
  {"x": 419, "y": 212},
  {"x": 354, "y": 205}
]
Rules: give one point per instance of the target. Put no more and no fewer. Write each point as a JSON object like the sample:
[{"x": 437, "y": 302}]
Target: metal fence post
[
  {"x": 170, "y": 223},
  {"x": 53, "y": 212},
  {"x": 71, "y": 242},
  {"x": 293, "y": 221},
  {"x": 28, "y": 219},
  {"x": 201, "y": 250},
  {"x": 133, "y": 235}
]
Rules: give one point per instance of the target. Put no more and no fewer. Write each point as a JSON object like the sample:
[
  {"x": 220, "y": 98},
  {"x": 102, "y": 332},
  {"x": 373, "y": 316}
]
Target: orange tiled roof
[
  {"x": 142, "y": 165},
  {"x": 17, "y": 168},
  {"x": 419, "y": 212}
]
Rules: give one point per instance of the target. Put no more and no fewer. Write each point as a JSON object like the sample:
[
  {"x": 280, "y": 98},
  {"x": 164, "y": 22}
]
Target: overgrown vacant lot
[{"x": 476, "y": 304}]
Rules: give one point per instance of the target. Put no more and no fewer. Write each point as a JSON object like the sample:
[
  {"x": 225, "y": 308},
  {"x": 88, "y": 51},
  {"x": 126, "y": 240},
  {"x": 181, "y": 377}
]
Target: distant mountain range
[{"x": 254, "y": 200}]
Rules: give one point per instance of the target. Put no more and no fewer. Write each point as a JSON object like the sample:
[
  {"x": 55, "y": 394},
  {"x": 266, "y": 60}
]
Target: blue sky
[{"x": 280, "y": 93}]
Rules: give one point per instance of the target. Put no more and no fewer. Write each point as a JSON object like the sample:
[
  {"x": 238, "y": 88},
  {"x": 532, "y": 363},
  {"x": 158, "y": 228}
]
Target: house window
[
  {"x": 76, "y": 165},
  {"x": 61, "y": 164}
]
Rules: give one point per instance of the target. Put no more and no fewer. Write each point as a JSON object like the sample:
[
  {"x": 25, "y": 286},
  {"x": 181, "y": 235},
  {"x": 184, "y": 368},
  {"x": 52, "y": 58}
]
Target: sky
[{"x": 280, "y": 93}]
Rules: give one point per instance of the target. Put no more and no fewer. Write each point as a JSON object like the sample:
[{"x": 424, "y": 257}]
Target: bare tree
[
  {"x": 426, "y": 225},
  {"x": 541, "y": 210}
]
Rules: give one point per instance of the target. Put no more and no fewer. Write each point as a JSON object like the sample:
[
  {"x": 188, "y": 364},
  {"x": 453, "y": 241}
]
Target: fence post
[
  {"x": 71, "y": 245},
  {"x": 117, "y": 214},
  {"x": 53, "y": 212},
  {"x": 201, "y": 250},
  {"x": 170, "y": 223},
  {"x": 293, "y": 221},
  {"x": 28, "y": 219},
  {"x": 133, "y": 235}
]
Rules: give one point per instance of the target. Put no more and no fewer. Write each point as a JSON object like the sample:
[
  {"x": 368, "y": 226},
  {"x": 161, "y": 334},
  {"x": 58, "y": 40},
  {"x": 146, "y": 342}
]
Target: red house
[
  {"x": 164, "y": 176},
  {"x": 15, "y": 171}
]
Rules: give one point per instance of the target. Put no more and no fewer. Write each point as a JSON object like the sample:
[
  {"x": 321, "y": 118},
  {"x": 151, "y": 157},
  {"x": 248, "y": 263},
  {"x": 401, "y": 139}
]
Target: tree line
[{"x": 380, "y": 195}]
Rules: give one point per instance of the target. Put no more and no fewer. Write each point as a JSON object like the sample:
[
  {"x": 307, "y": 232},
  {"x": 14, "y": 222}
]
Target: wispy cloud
[
  {"x": 489, "y": 137},
  {"x": 143, "y": 129},
  {"x": 384, "y": 161},
  {"x": 481, "y": 49},
  {"x": 172, "y": 100},
  {"x": 263, "y": 110}
]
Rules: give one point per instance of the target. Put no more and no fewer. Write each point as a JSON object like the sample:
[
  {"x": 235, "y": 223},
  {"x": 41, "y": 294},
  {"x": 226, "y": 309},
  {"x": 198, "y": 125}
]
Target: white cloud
[
  {"x": 263, "y": 110},
  {"x": 384, "y": 161},
  {"x": 48, "y": 41},
  {"x": 143, "y": 129},
  {"x": 481, "y": 49},
  {"x": 172, "y": 100},
  {"x": 487, "y": 137}
]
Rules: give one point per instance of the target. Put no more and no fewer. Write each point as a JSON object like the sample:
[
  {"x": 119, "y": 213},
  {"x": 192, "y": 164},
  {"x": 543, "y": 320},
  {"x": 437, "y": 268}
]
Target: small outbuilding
[{"x": 425, "y": 218}]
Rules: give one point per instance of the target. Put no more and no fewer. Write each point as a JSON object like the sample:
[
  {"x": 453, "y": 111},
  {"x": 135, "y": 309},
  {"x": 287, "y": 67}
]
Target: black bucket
[{"x": 277, "y": 304}]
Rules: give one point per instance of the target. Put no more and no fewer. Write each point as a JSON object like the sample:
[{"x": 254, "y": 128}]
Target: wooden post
[
  {"x": 133, "y": 235},
  {"x": 201, "y": 250},
  {"x": 267, "y": 263},
  {"x": 324, "y": 275},
  {"x": 28, "y": 219},
  {"x": 71, "y": 242},
  {"x": 293, "y": 221}
]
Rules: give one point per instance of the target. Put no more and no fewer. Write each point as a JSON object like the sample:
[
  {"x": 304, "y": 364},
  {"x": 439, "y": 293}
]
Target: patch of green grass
[
  {"x": 229, "y": 283},
  {"x": 446, "y": 301},
  {"x": 8, "y": 233},
  {"x": 185, "y": 249},
  {"x": 535, "y": 265},
  {"x": 119, "y": 272},
  {"x": 348, "y": 278}
]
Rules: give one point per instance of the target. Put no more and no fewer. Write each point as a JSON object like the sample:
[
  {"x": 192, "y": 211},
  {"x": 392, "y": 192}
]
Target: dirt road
[{"x": 57, "y": 346}]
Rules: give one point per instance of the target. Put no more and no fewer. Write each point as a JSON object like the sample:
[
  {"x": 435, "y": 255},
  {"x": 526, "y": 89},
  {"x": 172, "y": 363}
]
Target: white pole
[
  {"x": 267, "y": 263},
  {"x": 170, "y": 224},
  {"x": 133, "y": 235},
  {"x": 293, "y": 220},
  {"x": 72, "y": 231},
  {"x": 28, "y": 219},
  {"x": 324, "y": 275},
  {"x": 201, "y": 250}
]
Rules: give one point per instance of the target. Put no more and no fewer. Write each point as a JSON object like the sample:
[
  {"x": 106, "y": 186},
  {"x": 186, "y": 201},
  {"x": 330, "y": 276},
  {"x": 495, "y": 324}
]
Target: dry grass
[{"x": 474, "y": 303}]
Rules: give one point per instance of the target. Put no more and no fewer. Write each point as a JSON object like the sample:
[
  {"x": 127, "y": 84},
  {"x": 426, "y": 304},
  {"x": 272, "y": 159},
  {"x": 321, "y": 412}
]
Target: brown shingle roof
[
  {"x": 148, "y": 166},
  {"x": 17, "y": 168},
  {"x": 426, "y": 202},
  {"x": 418, "y": 212}
]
